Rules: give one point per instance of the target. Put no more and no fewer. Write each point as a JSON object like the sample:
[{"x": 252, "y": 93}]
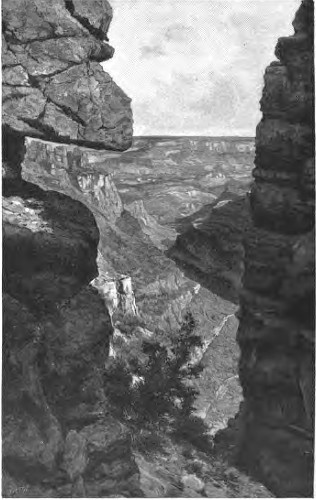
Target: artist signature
[{"x": 19, "y": 490}]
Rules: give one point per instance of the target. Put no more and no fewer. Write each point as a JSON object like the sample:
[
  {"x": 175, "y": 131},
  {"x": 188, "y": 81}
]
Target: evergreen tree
[{"x": 165, "y": 395}]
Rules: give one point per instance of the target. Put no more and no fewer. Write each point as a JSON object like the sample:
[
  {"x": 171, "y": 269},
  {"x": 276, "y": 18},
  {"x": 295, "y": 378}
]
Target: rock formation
[
  {"x": 276, "y": 332},
  {"x": 59, "y": 437},
  {"x": 158, "y": 234},
  {"x": 53, "y": 85},
  {"x": 209, "y": 247},
  {"x": 117, "y": 293}
]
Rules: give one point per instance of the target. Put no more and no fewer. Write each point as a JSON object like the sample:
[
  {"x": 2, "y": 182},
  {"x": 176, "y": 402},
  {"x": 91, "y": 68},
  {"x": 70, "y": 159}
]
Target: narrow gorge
[{"x": 120, "y": 251}]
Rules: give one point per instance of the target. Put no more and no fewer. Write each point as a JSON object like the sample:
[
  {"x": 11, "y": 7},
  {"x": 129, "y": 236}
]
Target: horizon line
[{"x": 191, "y": 135}]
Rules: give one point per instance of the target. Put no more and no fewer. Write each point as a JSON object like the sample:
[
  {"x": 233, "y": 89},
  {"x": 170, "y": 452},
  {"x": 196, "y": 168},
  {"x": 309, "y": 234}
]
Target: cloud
[
  {"x": 178, "y": 32},
  {"x": 196, "y": 67},
  {"x": 152, "y": 51}
]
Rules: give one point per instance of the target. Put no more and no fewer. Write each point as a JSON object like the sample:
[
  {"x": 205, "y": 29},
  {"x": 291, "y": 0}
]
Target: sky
[{"x": 195, "y": 67}]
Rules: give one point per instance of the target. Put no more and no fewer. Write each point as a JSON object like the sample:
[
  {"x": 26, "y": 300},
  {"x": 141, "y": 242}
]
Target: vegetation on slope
[{"x": 152, "y": 390}]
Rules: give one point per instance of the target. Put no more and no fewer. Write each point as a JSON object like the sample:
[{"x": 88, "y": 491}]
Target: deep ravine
[{"x": 158, "y": 300}]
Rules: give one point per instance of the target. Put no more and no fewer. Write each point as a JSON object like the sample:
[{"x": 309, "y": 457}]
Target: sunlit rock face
[
  {"x": 67, "y": 168},
  {"x": 100, "y": 190},
  {"x": 117, "y": 294},
  {"x": 53, "y": 84},
  {"x": 157, "y": 233},
  {"x": 276, "y": 332}
]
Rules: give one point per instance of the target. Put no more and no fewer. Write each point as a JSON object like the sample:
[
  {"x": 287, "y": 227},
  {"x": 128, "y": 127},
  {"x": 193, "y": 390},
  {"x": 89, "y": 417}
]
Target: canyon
[{"x": 109, "y": 241}]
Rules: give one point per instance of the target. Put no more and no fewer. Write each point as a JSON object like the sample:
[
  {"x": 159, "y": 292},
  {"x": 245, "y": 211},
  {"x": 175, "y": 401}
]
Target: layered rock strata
[
  {"x": 276, "y": 332},
  {"x": 59, "y": 436}
]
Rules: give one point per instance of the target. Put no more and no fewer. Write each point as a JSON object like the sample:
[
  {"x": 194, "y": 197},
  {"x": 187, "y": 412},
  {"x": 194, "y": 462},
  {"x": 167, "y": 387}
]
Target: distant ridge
[{"x": 220, "y": 137}]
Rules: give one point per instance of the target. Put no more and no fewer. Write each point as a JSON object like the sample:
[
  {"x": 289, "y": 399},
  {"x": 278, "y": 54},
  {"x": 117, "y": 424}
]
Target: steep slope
[{"x": 276, "y": 332}]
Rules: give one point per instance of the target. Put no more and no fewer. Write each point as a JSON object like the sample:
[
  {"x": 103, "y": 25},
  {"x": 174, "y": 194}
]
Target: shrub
[
  {"x": 164, "y": 397},
  {"x": 193, "y": 430},
  {"x": 117, "y": 382},
  {"x": 148, "y": 441}
]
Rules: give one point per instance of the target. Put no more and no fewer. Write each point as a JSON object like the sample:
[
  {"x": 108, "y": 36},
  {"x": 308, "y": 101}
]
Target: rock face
[
  {"x": 276, "y": 332},
  {"x": 117, "y": 294},
  {"x": 59, "y": 437},
  {"x": 53, "y": 84},
  {"x": 149, "y": 225},
  {"x": 66, "y": 168},
  {"x": 50, "y": 245},
  {"x": 210, "y": 245},
  {"x": 56, "y": 340},
  {"x": 219, "y": 381}
]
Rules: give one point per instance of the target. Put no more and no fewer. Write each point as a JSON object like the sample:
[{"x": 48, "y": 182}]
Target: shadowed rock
[
  {"x": 50, "y": 245},
  {"x": 276, "y": 331}
]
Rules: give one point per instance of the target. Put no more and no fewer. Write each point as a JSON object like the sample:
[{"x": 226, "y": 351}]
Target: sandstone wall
[{"x": 276, "y": 332}]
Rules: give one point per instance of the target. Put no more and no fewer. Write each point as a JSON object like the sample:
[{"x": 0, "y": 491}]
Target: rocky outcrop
[
  {"x": 276, "y": 332},
  {"x": 49, "y": 245},
  {"x": 130, "y": 239},
  {"x": 56, "y": 340},
  {"x": 59, "y": 436},
  {"x": 71, "y": 169},
  {"x": 159, "y": 235},
  {"x": 53, "y": 85},
  {"x": 209, "y": 247},
  {"x": 117, "y": 294},
  {"x": 219, "y": 388},
  {"x": 67, "y": 169}
]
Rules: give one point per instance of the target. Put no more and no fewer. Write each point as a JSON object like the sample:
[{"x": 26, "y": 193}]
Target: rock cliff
[
  {"x": 53, "y": 84},
  {"x": 117, "y": 293},
  {"x": 59, "y": 436},
  {"x": 209, "y": 247},
  {"x": 67, "y": 169},
  {"x": 276, "y": 332},
  {"x": 64, "y": 222}
]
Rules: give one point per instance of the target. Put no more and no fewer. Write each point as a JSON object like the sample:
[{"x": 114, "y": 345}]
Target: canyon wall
[
  {"x": 276, "y": 331},
  {"x": 211, "y": 245},
  {"x": 59, "y": 436}
]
